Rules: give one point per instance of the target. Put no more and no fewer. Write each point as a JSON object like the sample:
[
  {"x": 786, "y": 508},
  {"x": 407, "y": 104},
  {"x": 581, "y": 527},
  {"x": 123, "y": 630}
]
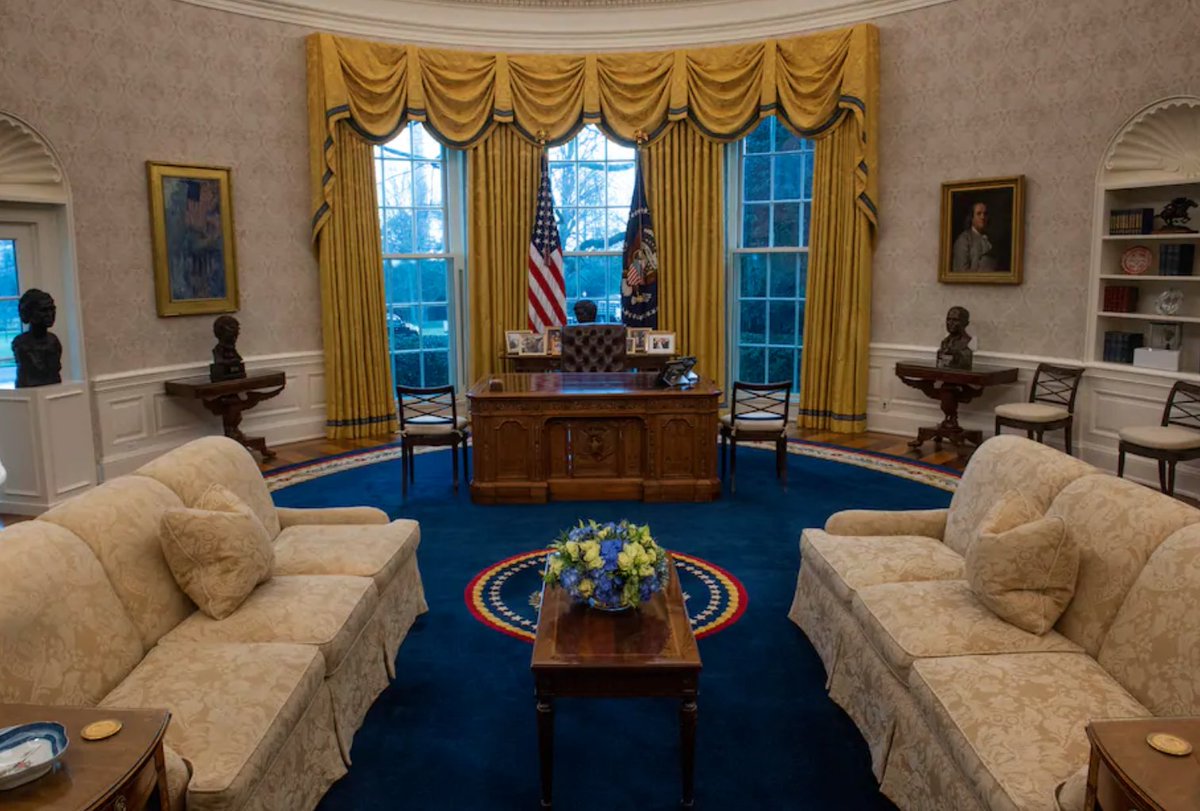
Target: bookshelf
[{"x": 1154, "y": 160}]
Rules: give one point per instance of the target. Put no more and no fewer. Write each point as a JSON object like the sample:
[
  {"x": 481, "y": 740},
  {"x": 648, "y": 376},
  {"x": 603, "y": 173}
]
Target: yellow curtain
[
  {"x": 358, "y": 375},
  {"x": 502, "y": 183},
  {"x": 683, "y": 171}
]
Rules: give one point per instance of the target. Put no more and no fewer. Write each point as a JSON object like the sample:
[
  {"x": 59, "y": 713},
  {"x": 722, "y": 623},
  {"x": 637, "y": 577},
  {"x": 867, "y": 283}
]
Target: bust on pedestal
[
  {"x": 227, "y": 363},
  {"x": 37, "y": 351},
  {"x": 955, "y": 350}
]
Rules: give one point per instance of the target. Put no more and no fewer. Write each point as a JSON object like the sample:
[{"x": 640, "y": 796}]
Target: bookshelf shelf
[
  {"x": 1146, "y": 277},
  {"x": 1151, "y": 237},
  {"x": 1176, "y": 319}
]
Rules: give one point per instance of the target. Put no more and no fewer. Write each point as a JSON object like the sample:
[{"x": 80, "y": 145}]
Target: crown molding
[{"x": 564, "y": 26}]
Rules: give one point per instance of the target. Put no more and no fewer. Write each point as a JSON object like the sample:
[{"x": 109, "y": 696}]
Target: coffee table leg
[
  {"x": 545, "y": 714},
  {"x": 687, "y": 748}
]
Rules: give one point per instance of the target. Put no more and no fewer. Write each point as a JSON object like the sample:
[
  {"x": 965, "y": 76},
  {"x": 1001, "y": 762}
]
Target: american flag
[{"x": 547, "y": 289}]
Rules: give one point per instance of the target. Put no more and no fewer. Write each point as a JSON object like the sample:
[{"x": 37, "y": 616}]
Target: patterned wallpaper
[
  {"x": 989, "y": 88},
  {"x": 971, "y": 88},
  {"x": 114, "y": 83}
]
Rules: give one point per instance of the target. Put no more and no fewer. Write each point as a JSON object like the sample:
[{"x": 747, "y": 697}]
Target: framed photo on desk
[
  {"x": 512, "y": 340},
  {"x": 533, "y": 343},
  {"x": 660, "y": 343}
]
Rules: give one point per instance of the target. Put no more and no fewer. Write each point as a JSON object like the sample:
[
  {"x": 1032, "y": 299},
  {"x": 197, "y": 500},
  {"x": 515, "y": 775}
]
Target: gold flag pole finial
[
  {"x": 541, "y": 136},
  {"x": 641, "y": 137}
]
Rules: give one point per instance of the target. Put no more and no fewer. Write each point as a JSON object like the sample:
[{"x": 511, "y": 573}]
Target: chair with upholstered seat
[
  {"x": 1176, "y": 440},
  {"x": 593, "y": 348},
  {"x": 759, "y": 413},
  {"x": 1051, "y": 404},
  {"x": 429, "y": 417}
]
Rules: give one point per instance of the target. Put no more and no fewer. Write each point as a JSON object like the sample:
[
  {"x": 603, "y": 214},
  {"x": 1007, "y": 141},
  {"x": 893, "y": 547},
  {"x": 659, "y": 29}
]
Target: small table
[
  {"x": 123, "y": 773},
  {"x": 229, "y": 398},
  {"x": 587, "y": 653},
  {"x": 1126, "y": 772},
  {"x": 951, "y": 387}
]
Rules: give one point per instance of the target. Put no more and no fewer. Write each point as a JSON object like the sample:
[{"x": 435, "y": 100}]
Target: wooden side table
[
  {"x": 1125, "y": 772},
  {"x": 229, "y": 398},
  {"x": 126, "y": 772},
  {"x": 951, "y": 388}
]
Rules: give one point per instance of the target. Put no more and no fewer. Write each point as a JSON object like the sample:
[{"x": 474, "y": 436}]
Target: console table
[
  {"x": 951, "y": 388},
  {"x": 229, "y": 398},
  {"x": 1125, "y": 772}
]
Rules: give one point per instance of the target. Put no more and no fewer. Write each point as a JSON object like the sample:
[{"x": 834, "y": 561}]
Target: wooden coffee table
[
  {"x": 586, "y": 653},
  {"x": 126, "y": 772}
]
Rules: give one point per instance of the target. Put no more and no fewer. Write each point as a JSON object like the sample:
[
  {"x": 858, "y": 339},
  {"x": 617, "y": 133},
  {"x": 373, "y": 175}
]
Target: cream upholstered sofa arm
[
  {"x": 926, "y": 523},
  {"x": 291, "y": 517}
]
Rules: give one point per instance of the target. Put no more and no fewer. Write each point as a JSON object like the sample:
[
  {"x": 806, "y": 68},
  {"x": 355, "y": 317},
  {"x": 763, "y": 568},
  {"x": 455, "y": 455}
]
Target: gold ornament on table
[
  {"x": 1169, "y": 744},
  {"x": 99, "y": 730}
]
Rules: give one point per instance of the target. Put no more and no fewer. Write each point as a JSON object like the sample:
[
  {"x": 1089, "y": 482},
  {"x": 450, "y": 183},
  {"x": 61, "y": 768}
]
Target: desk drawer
[{"x": 137, "y": 793}]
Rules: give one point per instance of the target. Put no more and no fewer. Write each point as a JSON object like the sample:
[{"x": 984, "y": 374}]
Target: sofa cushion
[
  {"x": 908, "y": 621},
  {"x": 121, "y": 521},
  {"x": 1117, "y": 525},
  {"x": 232, "y": 709},
  {"x": 1153, "y": 646},
  {"x": 1023, "y": 572},
  {"x": 845, "y": 563},
  {"x": 191, "y": 468},
  {"x": 1014, "y": 723},
  {"x": 1001, "y": 464},
  {"x": 218, "y": 550},
  {"x": 328, "y": 611},
  {"x": 64, "y": 636},
  {"x": 366, "y": 550}
]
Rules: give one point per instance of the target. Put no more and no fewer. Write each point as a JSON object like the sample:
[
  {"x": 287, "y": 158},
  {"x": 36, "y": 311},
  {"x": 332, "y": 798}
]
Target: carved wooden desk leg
[
  {"x": 229, "y": 408},
  {"x": 545, "y": 714},
  {"x": 687, "y": 747}
]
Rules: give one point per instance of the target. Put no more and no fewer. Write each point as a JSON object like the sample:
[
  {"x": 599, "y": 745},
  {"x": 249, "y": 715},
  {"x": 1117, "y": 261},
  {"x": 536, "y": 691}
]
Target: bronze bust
[
  {"x": 227, "y": 363},
  {"x": 38, "y": 351},
  {"x": 955, "y": 350}
]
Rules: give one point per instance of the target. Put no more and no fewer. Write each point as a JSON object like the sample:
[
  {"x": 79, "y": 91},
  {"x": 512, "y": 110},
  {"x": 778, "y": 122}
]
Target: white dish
[{"x": 29, "y": 751}]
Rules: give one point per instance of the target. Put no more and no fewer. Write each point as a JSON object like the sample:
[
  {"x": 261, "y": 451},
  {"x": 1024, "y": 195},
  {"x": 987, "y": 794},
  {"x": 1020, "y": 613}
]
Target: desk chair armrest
[
  {"x": 926, "y": 523},
  {"x": 291, "y": 517}
]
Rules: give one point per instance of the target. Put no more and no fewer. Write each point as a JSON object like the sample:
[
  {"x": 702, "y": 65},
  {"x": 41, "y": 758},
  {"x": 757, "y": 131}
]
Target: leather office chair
[
  {"x": 593, "y": 348},
  {"x": 430, "y": 417},
  {"x": 1176, "y": 440},
  {"x": 759, "y": 414},
  {"x": 1051, "y": 403}
]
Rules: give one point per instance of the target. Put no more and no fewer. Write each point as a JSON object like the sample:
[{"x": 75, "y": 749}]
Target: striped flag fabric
[{"x": 547, "y": 288}]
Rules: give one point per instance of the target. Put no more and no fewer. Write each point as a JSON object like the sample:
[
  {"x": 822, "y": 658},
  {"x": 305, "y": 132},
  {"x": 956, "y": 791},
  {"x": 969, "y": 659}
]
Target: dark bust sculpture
[
  {"x": 955, "y": 351},
  {"x": 227, "y": 363},
  {"x": 585, "y": 311},
  {"x": 38, "y": 352}
]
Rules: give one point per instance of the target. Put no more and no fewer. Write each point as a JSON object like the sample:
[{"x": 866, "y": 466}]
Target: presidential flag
[
  {"x": 547, "y": 289},
  {"x": 639, "y": 280}
]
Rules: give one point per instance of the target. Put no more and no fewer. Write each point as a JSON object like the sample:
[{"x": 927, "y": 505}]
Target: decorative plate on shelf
[
  {"x": 1168, "y": 301},
  {"x": 1136, "y": 260},
  {"x": 29, "y": 751}
]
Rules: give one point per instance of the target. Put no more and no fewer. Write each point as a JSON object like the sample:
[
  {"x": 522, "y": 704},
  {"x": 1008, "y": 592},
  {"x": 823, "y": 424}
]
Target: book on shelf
[
  {"x": 1125, "y": 221},
  {"x": 1120, "y": 298},
  {"x": 1176, "y": 259},
  {"x": 1119, "y": 346}
]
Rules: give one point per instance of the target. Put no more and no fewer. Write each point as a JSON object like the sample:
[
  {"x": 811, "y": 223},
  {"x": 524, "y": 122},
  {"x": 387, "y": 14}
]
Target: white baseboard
[{"x": 137, "y": 421}]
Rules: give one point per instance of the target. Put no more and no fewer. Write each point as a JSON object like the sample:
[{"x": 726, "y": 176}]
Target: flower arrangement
[{"x": 611, "y": 566}]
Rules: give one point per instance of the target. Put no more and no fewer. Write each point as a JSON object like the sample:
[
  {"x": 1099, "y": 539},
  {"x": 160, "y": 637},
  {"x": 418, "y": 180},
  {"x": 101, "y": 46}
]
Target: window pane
[
  {"x": 787, "y": 225},
  {"x": 590, "y": 144},
  {"x": 427, "y": 184},
  {"x": 593, "y": 282},
  {"x": 437, "y": 368},
  {"x": 400, "y": 280},
  {"x": 757, "y": 182},
  {"x": 10, "y": 327},
  {"x": 619, "y": 152},
  {"x": 562, "y": 183},
  {"x": 783, "y": 275},
  {"x": 751, "y": 362},
  {"x": 620, "y": 184},
  {"x": 591, "y": 229},
  {"x": 789, "y": 172},
  {"x": 805, "y": 219},
  {"x": 753, "y": 326},
  {"x": 8, "y": 268},
  {"x": 423, "y": 143},
  {"x": 433, "y": 280},
  {"x": 592, "y": 188},
  {"x": 756, "y": 226},
  {"x": 562, "y": 152},
  {"x": 785, "y": 141},
  {"x": 759, "y": 139},
  {"x": 754, "y": 275},
  {"x": 802, "y": 282},
  {"x": 431, "y": 231},
  {"x": 406, "y": 368},
  {"x": 780, "y": 365},
  {"x": 397, "y": 183},
  {"x": 617, "y": 222},
  {"x": 397, "y": 227},
  {"x": 783, "y": 323},
  {"x": 406, "y": 334},
  {"x": 571, "y": 276}
]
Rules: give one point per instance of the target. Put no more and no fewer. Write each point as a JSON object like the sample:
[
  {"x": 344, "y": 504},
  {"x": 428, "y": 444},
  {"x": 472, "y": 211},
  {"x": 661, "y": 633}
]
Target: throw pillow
[
  {"x": 218, "y": 550},
  {"x": 1023, "y": 566}
]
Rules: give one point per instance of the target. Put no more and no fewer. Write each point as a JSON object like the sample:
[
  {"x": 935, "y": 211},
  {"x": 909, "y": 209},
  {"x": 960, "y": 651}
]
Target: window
[
  {"x": 10, "y": 320},
  {"x": 592, "y": 178},
  {"x": 772, "y": 210},
  {"x": 416, "y": 184}
]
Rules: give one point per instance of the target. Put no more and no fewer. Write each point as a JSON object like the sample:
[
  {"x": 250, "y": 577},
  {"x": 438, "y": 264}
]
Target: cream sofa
[
  {"x": 962, "y": 710},
  {"x": 264, "y": 703}
]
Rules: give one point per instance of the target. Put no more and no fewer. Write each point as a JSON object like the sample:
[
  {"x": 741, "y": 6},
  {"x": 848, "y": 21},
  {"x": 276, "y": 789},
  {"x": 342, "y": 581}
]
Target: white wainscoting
[
  {"x": 1109, "y": 399},
  {"x": 137, "y": 421}
]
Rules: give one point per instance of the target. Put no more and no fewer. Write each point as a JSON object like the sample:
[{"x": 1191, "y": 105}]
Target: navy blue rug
[{"x": 456, "y": 729}]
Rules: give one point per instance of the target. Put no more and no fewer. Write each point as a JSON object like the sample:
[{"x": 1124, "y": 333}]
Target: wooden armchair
[{"x": 430, "y": 417}]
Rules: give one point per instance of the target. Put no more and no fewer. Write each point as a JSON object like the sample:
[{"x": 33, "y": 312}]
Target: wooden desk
[
  {"x": 592, "y": 436},
  {"x": 1125, "y": 772},
  {"x": 229, "y": 398},
  {"x": 951, "y": 387},
  {"x": 583, "y": 652},
  {"x": 126, "y": 772},
  {"x": 532, "y": 364}
]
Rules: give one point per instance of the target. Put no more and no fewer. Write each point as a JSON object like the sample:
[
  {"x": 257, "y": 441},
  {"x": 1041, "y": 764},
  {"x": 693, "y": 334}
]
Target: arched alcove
[{"x": 1160, "y": 144}]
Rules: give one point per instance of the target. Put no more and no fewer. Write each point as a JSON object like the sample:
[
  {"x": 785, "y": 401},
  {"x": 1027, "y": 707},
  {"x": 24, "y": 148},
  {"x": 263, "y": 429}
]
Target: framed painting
[
  {"x": 983, "y": 231},
  {"x": 191, "y": 225}
]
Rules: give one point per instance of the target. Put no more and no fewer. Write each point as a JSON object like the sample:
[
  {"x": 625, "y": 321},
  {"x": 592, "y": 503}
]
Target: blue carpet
[{"x": 456, "y": 730}]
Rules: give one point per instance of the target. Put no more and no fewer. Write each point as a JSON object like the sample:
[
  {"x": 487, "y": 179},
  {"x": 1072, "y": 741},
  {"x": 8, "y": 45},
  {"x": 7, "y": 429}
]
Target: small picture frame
[
  {"x": 982, "y": 231},
  {"x": 1166, "y": 335},
  {"x": 533, "y": 343},
  {"x": 660, "y": 343},
  {"x": 636, "y": 340},
  {"x": 512, "y": 340},
  {"x": 553, "y": 340}
]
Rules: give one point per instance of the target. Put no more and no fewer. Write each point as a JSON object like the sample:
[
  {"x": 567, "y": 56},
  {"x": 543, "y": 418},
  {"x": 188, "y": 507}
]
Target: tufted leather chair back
[{"x": 593, "y": 348}]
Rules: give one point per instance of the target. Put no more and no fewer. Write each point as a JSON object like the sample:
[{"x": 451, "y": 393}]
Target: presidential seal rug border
[{"x": 505, "y": 595}]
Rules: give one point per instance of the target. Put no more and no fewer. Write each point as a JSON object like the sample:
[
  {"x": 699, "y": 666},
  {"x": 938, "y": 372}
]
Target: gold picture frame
[
  {"x": 982, "y": 231},
  {"x": 191, "y": 229}
]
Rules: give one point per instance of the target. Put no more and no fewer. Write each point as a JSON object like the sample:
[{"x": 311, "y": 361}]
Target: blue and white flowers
[{"x": 613, "y": 565}]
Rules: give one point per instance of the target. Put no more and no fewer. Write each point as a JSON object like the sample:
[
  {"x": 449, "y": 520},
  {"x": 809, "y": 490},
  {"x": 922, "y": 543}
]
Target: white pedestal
[{"x": 46, "y": 444}]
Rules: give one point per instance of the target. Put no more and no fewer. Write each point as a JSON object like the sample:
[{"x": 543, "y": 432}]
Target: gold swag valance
[{"x": 809, "y": 82}]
